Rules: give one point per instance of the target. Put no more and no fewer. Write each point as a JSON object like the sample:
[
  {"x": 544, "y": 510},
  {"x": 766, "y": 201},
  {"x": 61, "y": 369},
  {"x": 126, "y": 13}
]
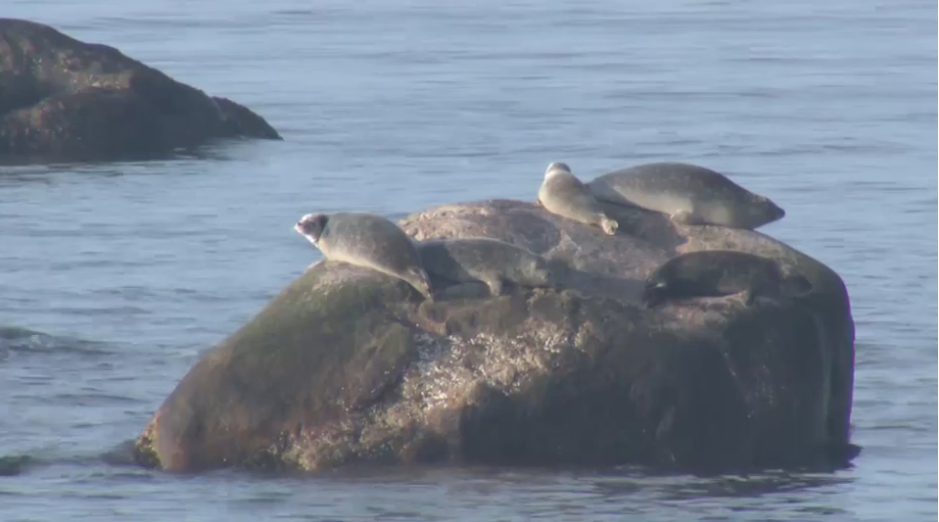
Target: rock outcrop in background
[{"x": 66, "y": 100}]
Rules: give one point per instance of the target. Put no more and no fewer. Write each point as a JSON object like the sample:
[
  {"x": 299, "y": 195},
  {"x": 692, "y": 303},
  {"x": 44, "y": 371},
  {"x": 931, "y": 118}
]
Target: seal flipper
[
  {"x": 843, "y": 453},
  {"x": 797, "y": 285},
  {"x": 418, "y": 278},
  {"x": 494, "y": 284},
  {"x": 749, "y": 296},
  {"x": 683, "y": 217},
  {"x": 653, "y": 293},
  {"x": 465, "y": 290},
  {"x": 609, "y": 225}
]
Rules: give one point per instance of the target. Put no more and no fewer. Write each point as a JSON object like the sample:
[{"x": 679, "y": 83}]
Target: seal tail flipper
[
  {"x": 683, "y": 217},
  {"x": 610, "y": 226},
  {"x": 749, "y": 296},
  {"x": 842, "y": 454},
  {"x": 833, "y": 455},
  {"x": 495, "y": 285},
  {"x": 421, "y": 282},
  {"x": 653, "y": 294},
  {"x": 797, "y": 285},
  {"x": 465, "y": 290}
]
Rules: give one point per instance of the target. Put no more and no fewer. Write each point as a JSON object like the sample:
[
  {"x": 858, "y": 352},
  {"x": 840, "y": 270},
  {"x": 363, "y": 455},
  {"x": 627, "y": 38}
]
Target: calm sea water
[{"x": 129, "y": 272}]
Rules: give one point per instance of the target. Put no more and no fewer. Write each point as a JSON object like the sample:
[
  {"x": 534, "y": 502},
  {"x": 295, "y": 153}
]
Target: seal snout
[
  {"x": 304, "y": 224},
  {"x": 776, "y": 211},
  {"x": 311, "y": 226}
]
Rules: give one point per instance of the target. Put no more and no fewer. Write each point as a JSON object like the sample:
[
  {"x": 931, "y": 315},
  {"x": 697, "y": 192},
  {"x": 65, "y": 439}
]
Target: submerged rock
[
  {"x": 348, "y": 366},
  {"x": 64, "y": 100},
  {"x": 13, "y": 465}
]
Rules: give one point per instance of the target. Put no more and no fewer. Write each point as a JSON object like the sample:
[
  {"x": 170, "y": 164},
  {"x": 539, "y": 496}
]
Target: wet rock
[
  {"x": 66, "y": 100},
  {"x": 348, "y": 366},
  {"x": 13, "y": 465}
]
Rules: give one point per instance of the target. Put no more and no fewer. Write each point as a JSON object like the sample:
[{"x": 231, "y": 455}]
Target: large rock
[
  {"x": 63, "y": 100},
  {"x": 350, "y": 366}
]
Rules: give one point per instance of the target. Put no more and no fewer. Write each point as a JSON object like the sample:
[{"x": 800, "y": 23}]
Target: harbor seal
[
  {"x": 718, "y": 273},
  {"x": 368, "y": 241},
  {"x": 484, "y": 259},
  {"x": 563, "y": 194},
  {"x": 690, "y": 194}
]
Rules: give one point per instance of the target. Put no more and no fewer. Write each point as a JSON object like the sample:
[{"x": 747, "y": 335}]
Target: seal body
[
  {"x": 688, "y": 193},
  {"x": 565, "y": 195},
  {"x": 717, "y": 273},
  {"x": 483, "y": 259},
  {"x": 368, "y": 241}
]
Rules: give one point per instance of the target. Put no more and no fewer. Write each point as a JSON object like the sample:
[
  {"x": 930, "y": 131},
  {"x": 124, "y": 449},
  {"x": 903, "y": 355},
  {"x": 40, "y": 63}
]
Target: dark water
[{"x": 130, "y": 271}]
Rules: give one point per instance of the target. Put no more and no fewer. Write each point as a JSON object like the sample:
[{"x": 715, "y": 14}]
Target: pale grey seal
[
  {"x": 688, "y": 193},
  {"x": 717, "y": 273},
  {"x": 484, "y": 259},
  {"x": 563, "y": 194},
  {"x": 368, "y": 241}
]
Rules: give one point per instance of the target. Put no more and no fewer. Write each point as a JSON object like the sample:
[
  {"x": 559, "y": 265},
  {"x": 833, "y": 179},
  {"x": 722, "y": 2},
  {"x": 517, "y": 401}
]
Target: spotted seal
[
  {"x": 484, "y": 259},
  {"x": 717, "y": 273},
  {"x": 688, "y": 193},
  {"x": 563, "y": 194},
  {"x": 369, "y": 241}
]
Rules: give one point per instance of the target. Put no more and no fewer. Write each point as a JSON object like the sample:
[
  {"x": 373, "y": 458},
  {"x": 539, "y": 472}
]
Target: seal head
[
  {"x": 311, "y": 226},
  {"x": 563, "y": 194},
  {"x": 557, "y": 167}
]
